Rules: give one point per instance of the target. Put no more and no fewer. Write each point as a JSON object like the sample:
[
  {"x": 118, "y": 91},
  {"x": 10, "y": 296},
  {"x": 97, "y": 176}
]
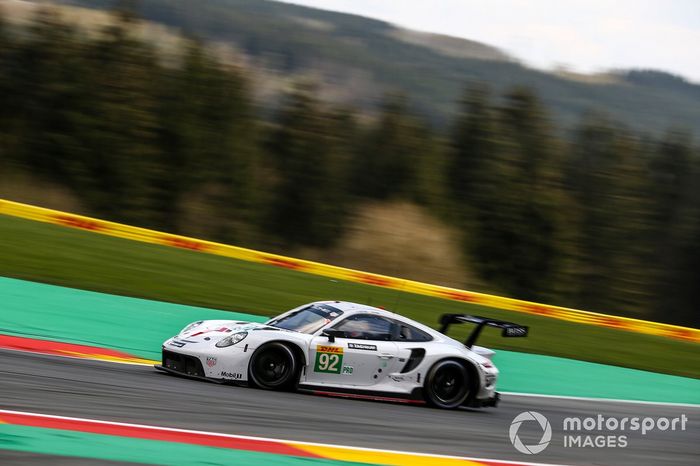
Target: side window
[
  {"x": 366, "y": 327},
  {"x": 410, "y": 333}
]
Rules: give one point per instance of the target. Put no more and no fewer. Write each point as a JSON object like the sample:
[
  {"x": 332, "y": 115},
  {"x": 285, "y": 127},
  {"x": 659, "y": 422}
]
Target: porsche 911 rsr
[{"x": 344, "y": 349}]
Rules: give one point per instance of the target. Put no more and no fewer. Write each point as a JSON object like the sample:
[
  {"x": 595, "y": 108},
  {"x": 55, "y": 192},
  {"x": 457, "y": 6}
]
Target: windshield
[{"x": 307, "y": 320}]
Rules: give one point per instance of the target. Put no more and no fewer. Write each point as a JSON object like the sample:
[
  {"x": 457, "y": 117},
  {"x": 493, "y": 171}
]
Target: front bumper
[
  {"x": 204, "y": 360},
  {"x": 485, "y": 402},
  {"x": 182, "y": 364},
  {"x": 189, "y": 376}
]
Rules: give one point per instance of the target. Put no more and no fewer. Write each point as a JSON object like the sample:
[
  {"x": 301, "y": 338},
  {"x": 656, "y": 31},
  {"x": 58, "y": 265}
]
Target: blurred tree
[
  {"x": 343, "y": 132},
  {"x": 430, "y": 186},
  {"x": 6, "y": 47},
  {"x": 679, "y": 302},
  {"x": 391, "y": 152},
  {"x": 47, "y": 87},
  {"x": 236, "y": 158},
  {"x": 472, "y": 145},
  {"x": 127, "y": 9},
  {"x": 670, "y": 190},
  {"x": 518, "y": 230},
  {"x": 4, "y": 36},
  {"x": 675, "y": 206},
  {"x": 308, "y": 203},
  {"x": 120, "y": 145},
  {"x": 607, "y": 178},
  {"x": 207, "y": 138}
]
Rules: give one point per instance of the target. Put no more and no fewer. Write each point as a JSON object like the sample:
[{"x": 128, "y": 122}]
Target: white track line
[
  {"x": 610, "y": 400},
  {"x": 272, "y": 440}
]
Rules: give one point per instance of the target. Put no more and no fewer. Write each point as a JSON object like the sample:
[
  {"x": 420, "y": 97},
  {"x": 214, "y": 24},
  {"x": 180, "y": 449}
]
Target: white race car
[{"x": 343, "y": 349}]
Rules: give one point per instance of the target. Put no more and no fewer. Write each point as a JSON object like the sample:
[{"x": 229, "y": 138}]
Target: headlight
[
  {"x": 191, "y": 326},
  {"x": 232, "y": 340}
]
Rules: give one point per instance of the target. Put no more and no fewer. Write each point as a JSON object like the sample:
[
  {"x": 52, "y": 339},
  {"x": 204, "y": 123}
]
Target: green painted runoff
[{"x": 139, "y": 326}]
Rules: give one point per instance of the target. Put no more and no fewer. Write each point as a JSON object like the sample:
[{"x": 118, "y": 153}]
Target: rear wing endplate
[{"x": 509, "y": 328}]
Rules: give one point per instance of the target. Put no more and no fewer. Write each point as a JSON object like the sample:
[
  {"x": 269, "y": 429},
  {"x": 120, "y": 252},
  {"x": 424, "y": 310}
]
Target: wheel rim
[
  {"x": 448, "y": 384},
  {"x": 272, "y": 367}
]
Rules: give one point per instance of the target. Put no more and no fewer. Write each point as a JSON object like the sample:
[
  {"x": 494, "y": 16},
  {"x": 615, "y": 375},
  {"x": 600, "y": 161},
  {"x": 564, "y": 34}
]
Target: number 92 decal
[{"x": 329, "y": 359}]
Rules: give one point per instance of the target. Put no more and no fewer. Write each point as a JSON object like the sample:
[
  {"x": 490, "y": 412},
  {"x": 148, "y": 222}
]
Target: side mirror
[{"x": 332, "y": 334}]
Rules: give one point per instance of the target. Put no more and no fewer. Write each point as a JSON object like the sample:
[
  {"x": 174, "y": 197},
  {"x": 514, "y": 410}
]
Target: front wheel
[
  {"x": 447, "y": 385},
  {"x": 273, "y": 367}
]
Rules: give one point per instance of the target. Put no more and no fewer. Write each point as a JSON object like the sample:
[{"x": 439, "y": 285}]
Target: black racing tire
[
  {"x": 447, "y": 385},
  {"x": 273, "y": 366}
]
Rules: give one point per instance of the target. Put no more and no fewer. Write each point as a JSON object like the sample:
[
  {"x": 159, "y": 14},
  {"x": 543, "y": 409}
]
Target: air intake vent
[{"x": 417, "y": 355}]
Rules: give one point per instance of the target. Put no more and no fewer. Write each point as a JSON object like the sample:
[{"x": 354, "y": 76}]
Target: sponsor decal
[
  {"x": 329, "y": 359},
  {"x": 515, "y": 331},
  {"x": 361, "y": 346},
  {"x": 410, "y": 378},
  {"x": 76, "y": 222},
  {"x": 184, "y": 243},
  {"x": 347, "y": 370},
  {"x": 232, "y": 375},
  {"x": 372, "y": 279},
  {"x": 329, "y": 349},
  {"x": 211, "y": 362},
  {"x": 329, "y": 311},
  {"x": 286, "y": 263}
]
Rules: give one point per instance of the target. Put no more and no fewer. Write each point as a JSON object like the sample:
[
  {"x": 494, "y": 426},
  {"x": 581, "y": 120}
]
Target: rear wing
[{"x": 509, "y": 329}]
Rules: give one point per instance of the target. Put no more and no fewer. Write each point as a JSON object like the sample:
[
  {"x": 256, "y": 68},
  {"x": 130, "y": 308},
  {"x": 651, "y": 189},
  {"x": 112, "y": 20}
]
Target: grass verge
[{"x": 52, "y": 254}]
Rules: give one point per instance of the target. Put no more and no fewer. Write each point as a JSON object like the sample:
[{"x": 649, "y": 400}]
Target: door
[{"x": 362, "y": 354}]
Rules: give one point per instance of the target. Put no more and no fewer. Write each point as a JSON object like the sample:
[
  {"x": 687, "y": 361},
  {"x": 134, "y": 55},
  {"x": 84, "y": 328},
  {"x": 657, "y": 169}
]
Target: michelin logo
[{"x": 362, "y": 347}]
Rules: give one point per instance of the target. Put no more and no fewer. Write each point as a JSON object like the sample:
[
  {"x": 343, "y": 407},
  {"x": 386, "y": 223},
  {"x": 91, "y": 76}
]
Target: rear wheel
[
  {"x": 447, "y": 385},
  {"x": 273, "y": 367}
]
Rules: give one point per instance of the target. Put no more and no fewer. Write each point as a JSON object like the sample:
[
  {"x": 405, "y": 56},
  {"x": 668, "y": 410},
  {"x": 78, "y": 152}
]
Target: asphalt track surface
[
  {"x": 139, "y": 394},
  {"x": 20, "y": 458}
]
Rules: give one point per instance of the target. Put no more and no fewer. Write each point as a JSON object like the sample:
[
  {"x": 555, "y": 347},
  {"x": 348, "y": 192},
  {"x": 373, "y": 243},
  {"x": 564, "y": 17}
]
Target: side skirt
[{"x": 413, "y": 398}]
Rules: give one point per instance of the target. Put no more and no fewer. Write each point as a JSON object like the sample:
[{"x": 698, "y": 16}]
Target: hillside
[
  {"x": 129, "y": 121},
  {"x": 357, "y": 59}
]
